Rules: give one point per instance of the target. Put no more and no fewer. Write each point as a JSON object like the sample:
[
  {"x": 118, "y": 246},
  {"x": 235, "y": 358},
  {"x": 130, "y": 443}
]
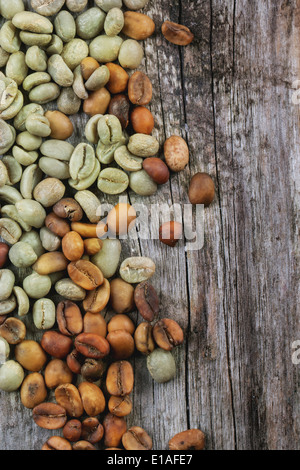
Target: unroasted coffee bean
[
  {"x": 136, "y": 438},
  {"x": 57, "y": 373},
  {"x": 72, "y": 430},
  {"x": 143, "y": 338},
  {"x": 121, "y": 296},
  {"x": 146, "y": 300},
  {"x": 57, "y": 225},
  {"x": 137, "y": 269},
  {"x": 83, "y": 445},
  {"x": 69, "y": 318},
  {"x": 170, "y": 233},
  {"x": 75, "y": 361},
  {"x": 202, "y": 189},
  {"x": 91, "y": 345},
  {"x": 30, "y": 355},
  {"x": 120, "y": 379},
  {"x": 33, "y": 390},
  {"x": 67, "y": 396},
  {"x": 57, "y": 443},
  {"x": 68, "y": 208},
  {"x": 114, "y": 428},
  {"x": 48, "y": 7},
  {"x": 85, "y": 274},
  {"x": 121, "y": 322},
  {"x": 97, "y": 299},
  {"x": 120, "y": 406},
  {"x": 177, "y": 33},
  {"x": 139, "y": 89},
  {"x": 120, "y": 107},
  {"x": 56, "y": 344},
  {"x": 50, "y": 416},
  {"x": 92, "y": 398},
  {"x": 167, "y": 334},
  {"x": 176, "y": 153},
  {"x": 13, "y": 330},
  {"x": 92, "y": 431},
  {"x": 11, "y": 376},
  {"x": 192, "y": 439},
  {"x": 161, "y": 365},
  {"x": 157, "y": 169}
]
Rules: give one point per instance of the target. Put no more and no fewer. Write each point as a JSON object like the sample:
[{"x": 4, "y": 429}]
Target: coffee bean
[
  {"x": 92, "y": 370},
  {"x": 97, "y": 299},
  {"x": 73, "y": 246},
  {"x": 139, "y": 89},
  {"x": 120, "y": 379},
  {"x": 192, "y": 439},
  {"x": 120, "y": 107},
  {"x": 75, "y": 361},
  {"x": 85, "y": 274},
  {"x": 92, "y": 398},
  {"x": 176, "y": 153},
  {"x": 177, "y": 33},
  {"x": 202, "y": 189},
  {"x": 121, "y": 322},
  {"x": 121, "y": 344},
  {"x": 68, "y": 208},
  {"x": 136, "y": 438},
  {"x": 92, "y": 430},
  {"x": 56, "y": 344},
  {"x": 143, "y": 338},
  {"x": 83, "y": 445},
  {"x": 120, "y": 406},
  {"x": 50, "y": 416},
  {"x": 33, "y": 390},
  {"x": 57, "y": 443},
  {"x": 30, "y": 355},
  {"x": 114, "y": 428},
  {"x": 167, "y": 334},
  {"x": 69, "y": 318},
  {"x": 57, "y": 373},
  {"x": 57, "y": 225},
  {"x": 4, "y": 249},
  {"x": 69, "y": 398},
  {"x": 146, "y": 301},
  {"x": 72, "y": 430},
  {"x": 49, "y": 263},
  {"x": 142, "y": 120},
  {"x": 121, "y": 296},
  {"x": 157, "y": 170},
  {"x": 13, "y": 330},
  {"x": 94, "y": 323},
  {"x": 170, "y": 233},
  {"x": 93, "y": 346}
]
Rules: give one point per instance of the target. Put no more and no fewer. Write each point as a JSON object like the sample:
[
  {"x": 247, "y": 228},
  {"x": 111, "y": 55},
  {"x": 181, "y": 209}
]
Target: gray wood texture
[{"x": 229, "y": 94}]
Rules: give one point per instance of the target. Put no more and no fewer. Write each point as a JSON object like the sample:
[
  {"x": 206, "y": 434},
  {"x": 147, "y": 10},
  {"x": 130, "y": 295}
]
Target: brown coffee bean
[
  {"x": 146, "y": 301},
  {"x": 92, "y": 430},
  {"x": 72, "y": 430},
  {"x": 170, "y": 233},
  {"x": 92, "y": 246},
  {"x": 49, "y": 416},
  {"x": 85, "y": 274},
  {"x": 139, "y": 89},
  {"x": 120, "y": 406},
  {"x": 121, "y": 322},
  {"x": 157, "y": 170},
  {"x": 136, "y": 438},
  {"x": 97, "y": 102},
  {"x": 4, "y": 249},
  {"x": 30, "y": 355},
  {"x": 94, "y": 323},
  {"x": 2, "y": 319},
  {"x": 121, "y": 344},
  {"x": 75, "y": 361},
  {"x": 176, "y": 153},
  {"x": 120, "y": 107},
  {"x": 92, "y": 370},
  {"x": 177, "y": 33},
  {"x": 202, "y": 189},
  {"x": 57, "y": 373},
  {"x": 57, "y": 443},
  {"x": 88, "y": 230},
  {"x": 83, "y": 445},
  {"x": 142, "y": 120},
  {"x": 49, "y": 263},
  {"x": 69, "y": 398},
  {"x": 69, "y": 318},
  {"x": 120, "y": 379},
  {"x": 61, "y": 126},
  {"x": 143, "y": 338},
  {"x": 97, "y": 299},
  {"x": 56, "y": 344},
  {"x": 137, "y": 25},
  {"x": 114, "y": 428},
  {"x": 68, "y": 208},
  {"x": 92, "y": 398},
  {"x": 118, "y": 80},
  {"x": 167, "y": 334},
  {"x": 33, "y": 390},
  {"x": 121, "y": 296},
  {"x": 121, "y": 219},
  {"x": 88, "y": 67},
  {"x": 93, "y": 346},
  {"x": 57, "y": 225},
  {"x": 192, "y": 439},
  {"x": 73, "y": 246},
  {"x": 13, "y": 330}
]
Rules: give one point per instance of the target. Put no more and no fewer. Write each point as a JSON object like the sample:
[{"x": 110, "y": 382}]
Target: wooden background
[{"x": 229, "y": 94}]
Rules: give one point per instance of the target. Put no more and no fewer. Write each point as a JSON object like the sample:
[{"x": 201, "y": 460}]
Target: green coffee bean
[
  {"x": 57, "y": 149},
  {"x": 4, "y": 56},
  {"x": 82, "y": 162},
  {"x": 137, "y": 269},
  {"x": 108, "y": 257},
  {"x": 38, "y": 125},
  {"x": 10, "y": 231},
  {"x": 49, "y": 191},
  {"x": 33, "y": 239},
  {"x": 54, "y": 168},
  {"x": 32, "y": 108},
  {"x": 35, "y": 79},
  {"x": 142, "y": 184},
  {"x": 65, "y": 27},
  {"x": 78, "y": 84},
  {"x": 10, "y": 8},
  {"x": 32, "y": 175},
  {"x": 37, "y": 286},
  {"x": 22, "y": 255},
  {"x": 22, "y": 301},
  {"x": 10, "y": 194},
  {"x": 91, "y": 130},
  {"x": 69, "y": 290},
  {"x": 28, "y": 141},
  {"x": 23, "y": 157},
  {"x": 55, "y": 46},
  {"x": 113, "y": 181},
  {"x": 44, "y": 93},
  {"x": 16, "y": 67},
  {"x": 10, "y": 38},
  {"x": 32, "y": 22},
  {"x": 7, "y": 282},
  {"x": 76, "y": 5},
  {"x": 47, "y": 8},
  {"x": 90, "y": 205},
  {"x": 36, "y": 59},
  {"x": 35, "y": 39},
  {"x": 105, "y": 48},
  {"x": 14, "y": 108},
  {"x": 68, "y": 102},
  {"x": 105, "y": 153},
  {"x": 161, "y": 365},
  {"x": 59, "y": 71},
  {"x": 8, "y": 305},
  {"x": 85, "y": 183},
  {"x": 109, "y": 129},
  {"x": 3, "y": 174},
  {"x": 126, "y": 160},
  {"x": 107, "y": 5},
  {"x": 90, "y": 23},
  {"x": 11, "y": 212},
  {"x": 7, "y": 136},
  {"x": 74, "y": 52},
  {"x": 50, "y": 241},
  {"x": 11, "y": 376},
  {"x": 14, "y": 170},
  {"x": 31, "y": 212},
  {"x": 4, "y": 350},
  {"x": 131, "y": 54},
  {"x": 114, "y": 22},
  {"x": 143, "y": 145},
  {"x": 44, "y": 314},
  {"x": 8, "y": 92},
  {"x": 98, "y": 79}
]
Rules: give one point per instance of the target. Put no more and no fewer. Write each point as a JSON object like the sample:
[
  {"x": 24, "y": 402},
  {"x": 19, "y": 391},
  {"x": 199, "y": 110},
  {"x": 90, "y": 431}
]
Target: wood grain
[{"x": 229, "y": 94}]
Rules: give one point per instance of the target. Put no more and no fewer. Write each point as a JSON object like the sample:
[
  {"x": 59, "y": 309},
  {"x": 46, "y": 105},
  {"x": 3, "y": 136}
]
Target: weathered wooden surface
[{"x": 230, "y": 95}]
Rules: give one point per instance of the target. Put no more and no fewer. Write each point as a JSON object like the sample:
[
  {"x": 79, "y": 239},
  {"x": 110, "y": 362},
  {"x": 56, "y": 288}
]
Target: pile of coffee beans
[{"x": 78, "y": 377}]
